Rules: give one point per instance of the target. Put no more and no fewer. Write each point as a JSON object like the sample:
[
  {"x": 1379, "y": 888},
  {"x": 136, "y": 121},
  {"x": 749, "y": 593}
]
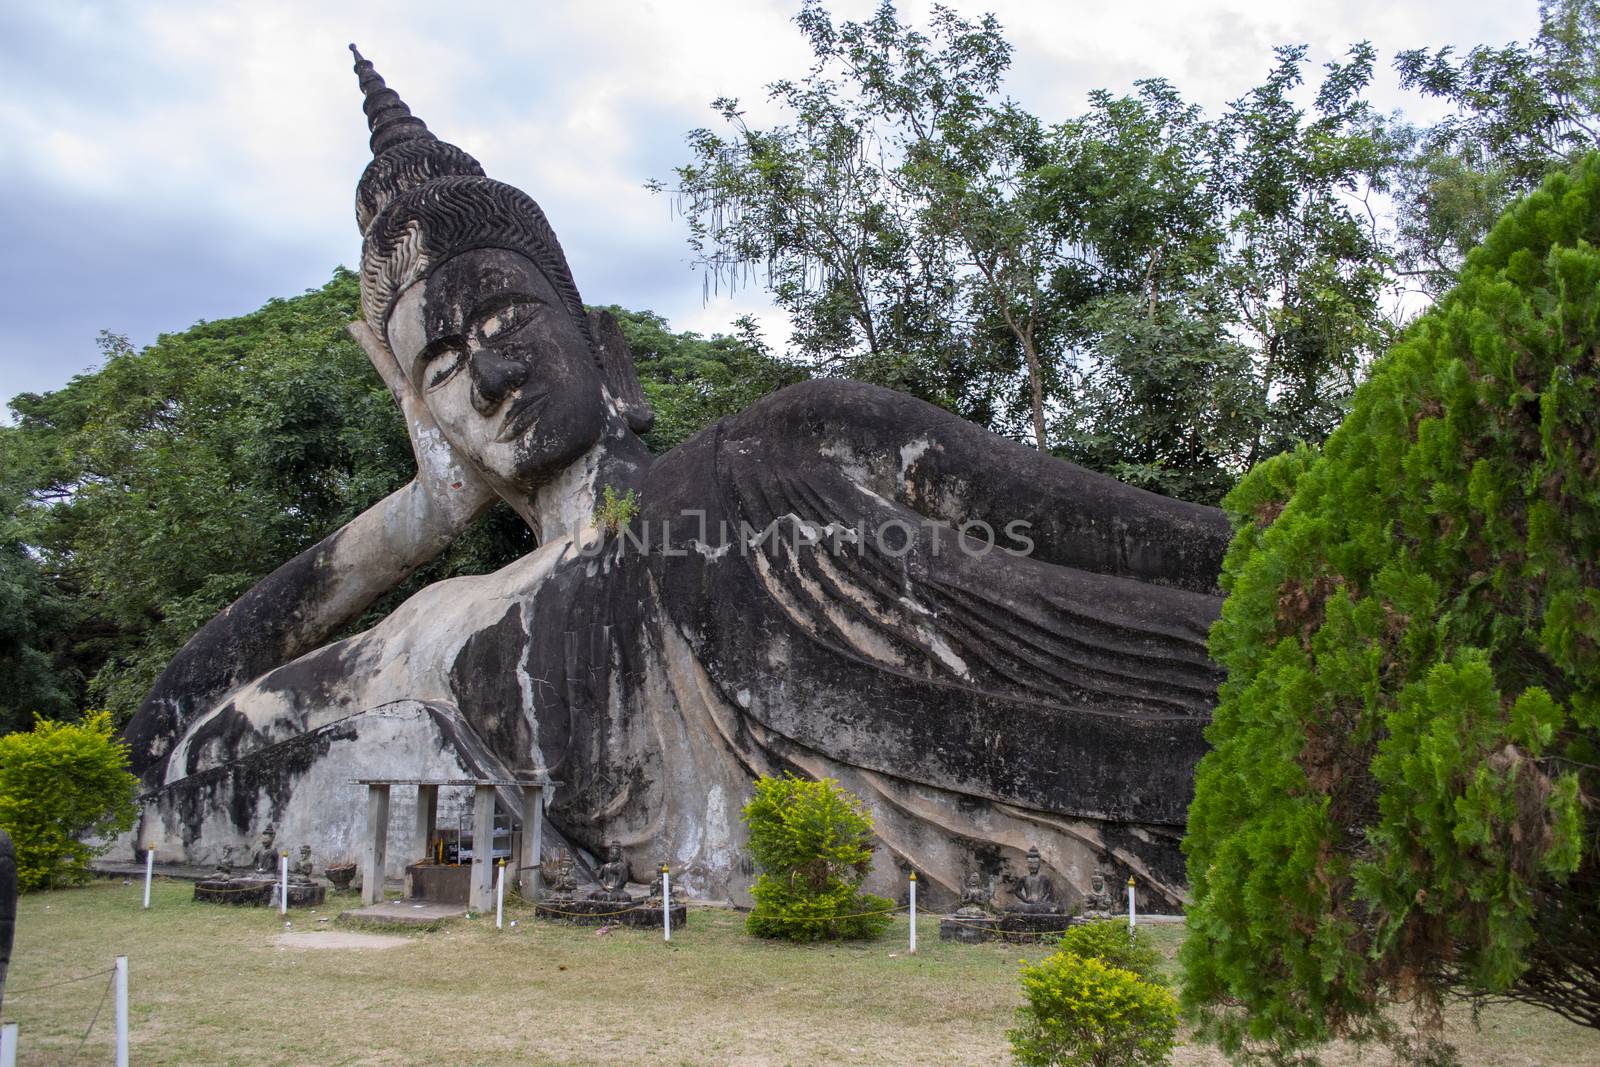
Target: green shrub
[
  {"x": 1399, "y": 795},
  {"x": 1109, "y": 942},
  {"x": 1083, "y": 1012},
  {"x": 59, "y": 783},
  {"x": 812, "y": 843}
]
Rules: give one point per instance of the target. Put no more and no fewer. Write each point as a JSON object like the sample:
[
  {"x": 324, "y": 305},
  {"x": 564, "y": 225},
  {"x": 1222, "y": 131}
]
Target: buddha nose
[{"x": 493, "y": 378}]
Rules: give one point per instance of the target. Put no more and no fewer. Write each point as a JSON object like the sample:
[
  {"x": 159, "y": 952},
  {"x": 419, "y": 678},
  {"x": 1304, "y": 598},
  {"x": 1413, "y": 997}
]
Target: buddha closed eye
[{"x": 504, "y": 370}]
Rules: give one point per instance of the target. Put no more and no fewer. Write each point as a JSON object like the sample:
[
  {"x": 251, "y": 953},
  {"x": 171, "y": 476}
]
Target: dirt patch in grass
[
  {"x": 216, "y": 985},
  {"x": 339, "y": 939}
]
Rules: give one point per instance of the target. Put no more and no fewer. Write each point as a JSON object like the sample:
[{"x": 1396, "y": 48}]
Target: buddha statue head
[{"x": 464, "y": 281}]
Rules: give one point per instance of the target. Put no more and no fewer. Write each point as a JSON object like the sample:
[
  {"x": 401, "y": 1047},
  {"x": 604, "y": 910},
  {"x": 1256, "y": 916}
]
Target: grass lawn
[{"x": 216, "y": 985}]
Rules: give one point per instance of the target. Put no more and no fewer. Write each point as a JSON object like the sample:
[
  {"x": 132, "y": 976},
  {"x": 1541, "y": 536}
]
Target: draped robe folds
[{"x": 762, "y": 613}]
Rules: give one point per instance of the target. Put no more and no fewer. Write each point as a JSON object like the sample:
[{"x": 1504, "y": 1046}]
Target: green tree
[
  {"x": 1519, "y": 111},
  {"x": 692, "y": 381},
  {"x": 1395, "y": 803},
  {"x": 1112, "y": 943},
  {"x": 812, "y": 844},
  {"x": 893, "y": 218},
  {"x": 63, "y": 788}
]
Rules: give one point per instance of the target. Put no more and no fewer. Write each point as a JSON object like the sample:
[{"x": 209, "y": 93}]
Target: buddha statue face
[
  {"x": 1033, "y": 863},
  {"x": 501, "y": 365}
]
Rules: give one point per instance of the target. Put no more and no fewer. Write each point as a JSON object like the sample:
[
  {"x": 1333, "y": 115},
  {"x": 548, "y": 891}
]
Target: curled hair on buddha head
[
  {"x": 447, "y": 216},
  {"x": 421, "y": 201}
]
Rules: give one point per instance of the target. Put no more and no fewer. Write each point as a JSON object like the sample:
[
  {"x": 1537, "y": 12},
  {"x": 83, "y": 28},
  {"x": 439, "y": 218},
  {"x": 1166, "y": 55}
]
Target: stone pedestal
[
  {"x": 255, "y": 891},
  {"x": 301, "y": 895},
  {"x": 440, "y": 883},
  {"x": 610, "y": 912},
  {"x": 969, "y": 930},
  {"x": 1020, "y": 927}
]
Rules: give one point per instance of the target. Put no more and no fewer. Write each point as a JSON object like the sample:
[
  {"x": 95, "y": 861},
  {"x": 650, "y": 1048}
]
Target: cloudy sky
[{"x": 171, "y": 162}]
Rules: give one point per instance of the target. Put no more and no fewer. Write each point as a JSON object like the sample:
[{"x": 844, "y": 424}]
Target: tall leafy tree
[
  {"x": 1519, "y": 111},
  {"x": 894, "y": 217}
]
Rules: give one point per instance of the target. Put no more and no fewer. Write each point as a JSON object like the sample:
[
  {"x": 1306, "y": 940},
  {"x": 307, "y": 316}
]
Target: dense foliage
[
  {"x": 64, "y": 787},
  {"x": 144, "y": 497},
  {"x": 812, "y": 844},
  {"x": 1407, "y": 746},
  {"x": 1082, "y": 1011},
  {"x": 692, "y": 381}
]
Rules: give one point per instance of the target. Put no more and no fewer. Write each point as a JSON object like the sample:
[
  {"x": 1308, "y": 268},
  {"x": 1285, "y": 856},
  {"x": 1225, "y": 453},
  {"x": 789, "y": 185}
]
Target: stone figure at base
[
  {"x": 266, "y": 858},
  {"x": 1035, "y": 894},
  {"x": 982, "y": 641},
  {"x": 559, "y": 872},
  {"x": 976, "y": 900},
  {"x": 1099, "y": 903},
  {"x": 301, "y": 870},
  {"x": 612, "y": 876},
  {"x": 224, "y": 867}
]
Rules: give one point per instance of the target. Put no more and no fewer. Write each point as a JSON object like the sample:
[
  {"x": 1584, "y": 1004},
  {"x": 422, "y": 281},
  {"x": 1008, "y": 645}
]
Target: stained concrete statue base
[
  {"x": 1017, "y": 927},
  {"x": 638, "y": 913}
]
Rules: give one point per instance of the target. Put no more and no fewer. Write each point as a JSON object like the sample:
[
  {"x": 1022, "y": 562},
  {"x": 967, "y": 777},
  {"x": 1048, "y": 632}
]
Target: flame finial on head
[{"x": 390, "y": 121}]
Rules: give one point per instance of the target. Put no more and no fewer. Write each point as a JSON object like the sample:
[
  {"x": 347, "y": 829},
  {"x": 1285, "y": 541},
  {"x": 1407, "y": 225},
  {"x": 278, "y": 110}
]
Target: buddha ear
[{"x": 621, "y": 379}]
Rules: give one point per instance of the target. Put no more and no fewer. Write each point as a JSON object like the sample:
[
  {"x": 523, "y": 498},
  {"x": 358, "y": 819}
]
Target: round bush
[
  {"x": 63, "y": 784},
  {"x": 1109, "y": 942},
  {"x": 1082, "y": 1012}
]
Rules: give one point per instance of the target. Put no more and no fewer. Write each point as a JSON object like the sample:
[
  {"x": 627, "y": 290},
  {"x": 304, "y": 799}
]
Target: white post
[
  {"x": 283, "y": 883},
  {"x": 666, "y": 904},
  {"x": 499, "y": 895},
  {"x": 149, "y": 870},
  {"x": 1133, "y": 908},
  {"x": 122, "y": 1011},
  {"x": 913, "y": 913},
  {"x": 8, "y": 1045}
]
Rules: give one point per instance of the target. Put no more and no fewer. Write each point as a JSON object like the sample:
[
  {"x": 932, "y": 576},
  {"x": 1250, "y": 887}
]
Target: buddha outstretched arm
[{"x": 300, "y": 605}]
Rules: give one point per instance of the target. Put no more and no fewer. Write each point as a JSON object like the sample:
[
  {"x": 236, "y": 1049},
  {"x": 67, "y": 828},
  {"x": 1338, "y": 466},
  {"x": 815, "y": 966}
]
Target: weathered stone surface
[
  {"x": 805, "y": 587},
  {"x": 593, "y": 912},
  {"x": 239, "y": 892},
  {"x": 1018, "y": 927}
]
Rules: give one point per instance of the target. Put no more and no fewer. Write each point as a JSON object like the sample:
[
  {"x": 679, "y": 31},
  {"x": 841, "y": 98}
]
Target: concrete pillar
[
  {"x": 377, "y": 851},
  {"x": 481, "y": 897},
  {"x": 426, "y": 826},
  {"x": 427, "y": 821},
  {"x": 532, "y": 839}
]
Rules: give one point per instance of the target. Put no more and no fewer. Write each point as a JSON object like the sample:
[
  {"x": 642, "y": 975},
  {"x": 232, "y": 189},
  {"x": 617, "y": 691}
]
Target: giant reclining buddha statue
[{"x": 992, "y": 647}]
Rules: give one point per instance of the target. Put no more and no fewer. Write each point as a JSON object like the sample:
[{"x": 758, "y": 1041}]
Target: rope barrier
[
  {"x": 593, "y": 914},
  {"x": 64, "y": 981},
  {"x": 832, "y": 918},
  {"x": 95, "y": 1017}
]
